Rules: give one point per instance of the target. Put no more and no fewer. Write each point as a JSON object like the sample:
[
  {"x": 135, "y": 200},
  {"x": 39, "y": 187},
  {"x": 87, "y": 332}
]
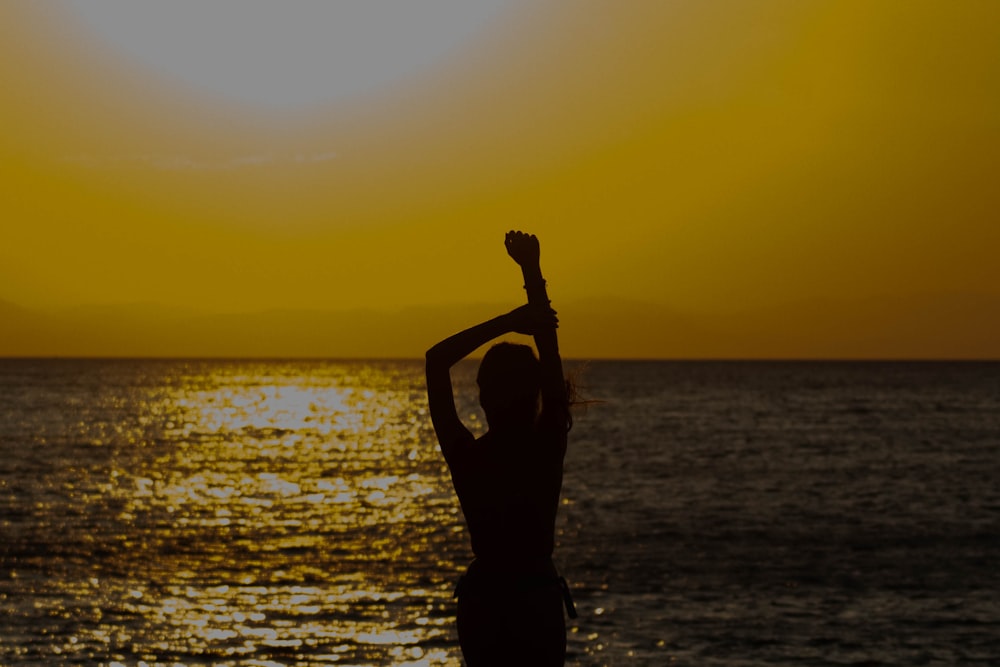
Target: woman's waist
[
  {"x": 485, "y": 578},
  {"x": 523, "y": 550},
  {"x": 500, "y": 567}
]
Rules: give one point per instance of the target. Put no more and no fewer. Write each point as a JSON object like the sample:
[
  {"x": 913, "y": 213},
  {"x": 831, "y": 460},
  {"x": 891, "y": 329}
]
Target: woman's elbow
[{"x": 435, "y": 358}]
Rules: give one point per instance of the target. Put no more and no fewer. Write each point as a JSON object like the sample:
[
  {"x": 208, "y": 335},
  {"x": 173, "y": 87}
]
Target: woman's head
[{"x": 509, "y": 386}]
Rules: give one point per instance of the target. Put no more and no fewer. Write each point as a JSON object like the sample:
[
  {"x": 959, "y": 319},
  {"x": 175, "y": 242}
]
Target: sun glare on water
[
  {"x": 280, "y": 56},
  {"x": 286, "y": 517}
]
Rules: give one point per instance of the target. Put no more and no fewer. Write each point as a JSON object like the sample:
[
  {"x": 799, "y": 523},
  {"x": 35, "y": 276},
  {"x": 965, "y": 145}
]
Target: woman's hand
[
  {"x": 523, "y": 248},
  {"x": 530, "y": 320}
]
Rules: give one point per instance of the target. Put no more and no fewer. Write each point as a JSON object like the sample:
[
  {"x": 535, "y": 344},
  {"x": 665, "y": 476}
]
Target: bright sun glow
[{"x": 290, "y": 54}]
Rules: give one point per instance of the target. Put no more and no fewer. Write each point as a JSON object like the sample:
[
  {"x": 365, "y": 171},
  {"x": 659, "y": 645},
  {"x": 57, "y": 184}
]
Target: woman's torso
[{"x": 509, "y": 491}]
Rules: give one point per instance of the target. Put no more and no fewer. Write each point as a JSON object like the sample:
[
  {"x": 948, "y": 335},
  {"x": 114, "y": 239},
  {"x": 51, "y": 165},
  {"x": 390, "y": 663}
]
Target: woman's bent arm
[{"x": 439, "y": 360}]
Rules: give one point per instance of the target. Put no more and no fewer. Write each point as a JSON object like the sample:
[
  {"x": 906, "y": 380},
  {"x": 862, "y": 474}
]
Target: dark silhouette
[{"x": 510, "y": 601}]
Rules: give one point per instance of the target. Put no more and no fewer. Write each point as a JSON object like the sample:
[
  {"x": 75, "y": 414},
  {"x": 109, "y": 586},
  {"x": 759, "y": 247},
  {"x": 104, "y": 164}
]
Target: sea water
[{"x": 299, "y": 513}]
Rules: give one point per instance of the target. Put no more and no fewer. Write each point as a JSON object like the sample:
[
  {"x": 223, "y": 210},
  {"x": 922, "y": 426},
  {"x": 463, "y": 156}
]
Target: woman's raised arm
[{"x": 524, "y": 249}]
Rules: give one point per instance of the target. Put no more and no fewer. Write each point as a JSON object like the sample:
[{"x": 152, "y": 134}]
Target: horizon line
[{"x": 573, "y": 359}]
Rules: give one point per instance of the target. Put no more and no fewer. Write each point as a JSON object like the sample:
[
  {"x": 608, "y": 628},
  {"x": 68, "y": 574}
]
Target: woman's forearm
[
  {"x": 538, "y": 297},
  {"x": 553, "y": 382},
  {"x": 455, "y": 348}
]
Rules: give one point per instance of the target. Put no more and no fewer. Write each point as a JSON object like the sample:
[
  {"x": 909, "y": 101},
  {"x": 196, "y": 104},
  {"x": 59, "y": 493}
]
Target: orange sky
[{"x": 710, "y": 158}]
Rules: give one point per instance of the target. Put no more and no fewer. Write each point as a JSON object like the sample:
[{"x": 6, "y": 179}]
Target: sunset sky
[{"x": 698, "y": 159}]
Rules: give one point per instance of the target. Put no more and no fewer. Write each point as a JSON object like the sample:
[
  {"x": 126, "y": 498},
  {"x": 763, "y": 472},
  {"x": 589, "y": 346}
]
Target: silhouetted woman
[{"x": 510, "y": 601}]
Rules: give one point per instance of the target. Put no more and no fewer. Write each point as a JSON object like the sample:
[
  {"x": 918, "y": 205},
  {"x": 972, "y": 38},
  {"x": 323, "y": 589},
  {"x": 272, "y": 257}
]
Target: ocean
[{"x": 266, "y": 513}]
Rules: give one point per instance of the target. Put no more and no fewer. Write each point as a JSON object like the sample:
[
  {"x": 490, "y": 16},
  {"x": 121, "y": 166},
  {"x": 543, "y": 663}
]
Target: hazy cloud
[{"x": 166, "y": 162}]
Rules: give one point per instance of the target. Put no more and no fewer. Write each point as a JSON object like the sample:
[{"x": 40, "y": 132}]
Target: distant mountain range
[{"x": 952, "y": 326}]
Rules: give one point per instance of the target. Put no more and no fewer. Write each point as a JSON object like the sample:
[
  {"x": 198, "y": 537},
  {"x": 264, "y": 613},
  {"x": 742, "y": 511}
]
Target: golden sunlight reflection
[{"x": 302, "y": 517}]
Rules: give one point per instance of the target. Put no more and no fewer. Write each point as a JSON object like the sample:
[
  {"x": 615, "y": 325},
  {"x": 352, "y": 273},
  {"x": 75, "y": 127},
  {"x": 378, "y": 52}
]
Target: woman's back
[{"x": 509, "y": 491}]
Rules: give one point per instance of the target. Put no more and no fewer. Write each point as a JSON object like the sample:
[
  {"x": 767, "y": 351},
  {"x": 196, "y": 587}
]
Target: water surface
[{"x": 299, "y": 513}]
